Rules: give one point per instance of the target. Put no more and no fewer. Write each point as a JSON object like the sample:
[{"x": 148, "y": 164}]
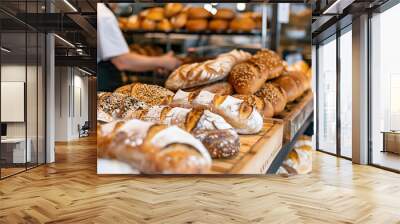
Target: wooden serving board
[
  {"x": 295, "y": 114},
  {"x": 256, "y": 152}
]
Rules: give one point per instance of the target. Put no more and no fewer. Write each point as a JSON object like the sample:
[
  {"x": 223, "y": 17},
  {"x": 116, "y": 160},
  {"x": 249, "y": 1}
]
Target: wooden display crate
[
  {"x": 295, "y": 114},
  {"x": 256, "y": 152}
]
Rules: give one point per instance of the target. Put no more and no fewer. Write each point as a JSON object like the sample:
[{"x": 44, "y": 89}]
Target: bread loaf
[
  {"x": 218, "y": 25},
  {"x": 263, "y": 106},
  {"x": 224, "y": 14},
  {"x": 289, "y": 85},
  {"x": 196, "y": 25},
  {"x": 248, "y": 77},
  {"x": 148, "y": 25},
  {"x": 172, "y": 9},
  {"x": 221, "y": 88},
  {"x": 242, "y": 116},
  {"x": 149, "y": 94},
  {"x": 164, "y": 25},
  {"x": 198, "y": 13},
  {"x": 117, "y": 105},
  {"x": 242, "y": 25},
  {"x": 276, "y": 95},
  {"x": 204, "y": 123},
  {"x": 197, "y": 74},
  {"x": 155, "y": 14},
  {"x": 152, "y": 148},
  {"x": 179, "y": 20},
  {"x": 301, "y": 79}
]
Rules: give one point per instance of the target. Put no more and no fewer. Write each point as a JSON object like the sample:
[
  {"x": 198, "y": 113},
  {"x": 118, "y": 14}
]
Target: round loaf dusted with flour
[
  {"x": 262, "y": 105},
  {"x": 276, "y": 95}
]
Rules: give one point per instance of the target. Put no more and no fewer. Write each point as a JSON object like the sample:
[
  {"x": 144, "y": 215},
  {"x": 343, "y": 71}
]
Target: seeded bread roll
[
  {"x": 246, "y": 78},
  {"x": 152, "y": 148},
  {"x": 262, "y": 105},
  {"x": 221, "y": 88},
  {"x": 269, "y": 63},
  {"x": 249, "y": 76},
  {"x": 276, "y": 95},
  {"x": 290, "y": 87}
]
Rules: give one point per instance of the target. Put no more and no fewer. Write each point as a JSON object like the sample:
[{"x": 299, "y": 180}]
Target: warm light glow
[
  {"x": 5, "y": 50},
  {"x": 70, "y": 5},
  {"x": 241, "y": 6},
  {"x": 65, "y": 41}
]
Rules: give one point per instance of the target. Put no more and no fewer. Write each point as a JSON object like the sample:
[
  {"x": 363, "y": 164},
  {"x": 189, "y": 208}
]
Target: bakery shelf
[
  {"x": 295, "y": 114},
  {"x": 287, "y": 147},
  {"x": 257, "y": 152},
  {"x": 207, "y": 32}
]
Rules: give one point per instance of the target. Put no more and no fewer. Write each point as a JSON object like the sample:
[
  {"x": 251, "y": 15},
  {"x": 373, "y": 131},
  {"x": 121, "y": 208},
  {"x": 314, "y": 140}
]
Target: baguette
[
  {"x": 152, "y": 148},
  {"x": 242, "y": 116},
  {"x": 197, "y": 74},
  {"x": 211, "y": 129},
  {"x": 221, "y": 88}
]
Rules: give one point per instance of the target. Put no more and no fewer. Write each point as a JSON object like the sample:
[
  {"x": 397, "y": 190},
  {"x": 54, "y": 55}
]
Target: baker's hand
[{"x": 169, "y": 61}]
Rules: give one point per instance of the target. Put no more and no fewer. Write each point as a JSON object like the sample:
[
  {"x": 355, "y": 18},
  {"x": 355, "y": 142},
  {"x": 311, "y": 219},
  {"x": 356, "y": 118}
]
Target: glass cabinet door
[
  {"x": 346, "y": 94},
  {"x": 327, "y": 96}
]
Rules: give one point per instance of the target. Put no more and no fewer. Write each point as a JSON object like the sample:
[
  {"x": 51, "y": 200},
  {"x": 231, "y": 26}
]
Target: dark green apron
[{"x": 108, "y": 77}]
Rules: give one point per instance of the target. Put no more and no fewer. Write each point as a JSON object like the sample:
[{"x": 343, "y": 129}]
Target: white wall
[{"x": 71, "y": 94}]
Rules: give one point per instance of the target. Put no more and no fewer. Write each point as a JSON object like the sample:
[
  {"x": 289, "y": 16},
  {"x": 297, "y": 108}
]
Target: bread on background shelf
[
  {"x": 224, "y": 14},
  {"x": 198, "y": 13},
  {"x": 172, "y": 9},
  {"x": 196, "y": 25}
]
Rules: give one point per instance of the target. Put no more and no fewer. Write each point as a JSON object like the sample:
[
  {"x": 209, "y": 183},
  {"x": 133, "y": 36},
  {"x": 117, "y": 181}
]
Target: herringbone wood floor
[{"x": 69, "y": 191}]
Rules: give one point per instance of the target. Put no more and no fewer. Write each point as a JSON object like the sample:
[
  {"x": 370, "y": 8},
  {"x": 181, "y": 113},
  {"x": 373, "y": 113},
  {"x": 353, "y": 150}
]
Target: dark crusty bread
[
  {"x": 276, "y": 95},
  {"x": 221, "y": 144}
]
